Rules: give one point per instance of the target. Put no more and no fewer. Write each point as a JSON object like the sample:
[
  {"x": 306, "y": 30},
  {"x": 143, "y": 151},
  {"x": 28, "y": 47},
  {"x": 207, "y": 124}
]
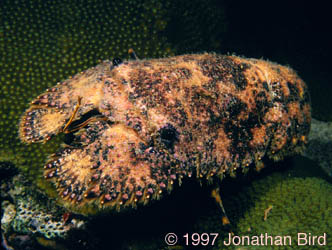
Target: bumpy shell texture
[{"x": 144, "y": 124}]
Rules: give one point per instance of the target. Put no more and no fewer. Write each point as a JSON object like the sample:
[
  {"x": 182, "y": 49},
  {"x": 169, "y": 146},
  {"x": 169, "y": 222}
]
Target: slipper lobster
[{"x": 139, "y": 126}]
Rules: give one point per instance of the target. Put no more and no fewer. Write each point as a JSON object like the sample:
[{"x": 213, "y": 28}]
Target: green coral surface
[{"x": 297, "y": 205}]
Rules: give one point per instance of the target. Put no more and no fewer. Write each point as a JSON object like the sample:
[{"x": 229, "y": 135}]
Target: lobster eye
[
  {"x": 116, "y": 62},
  {"x": 169, "y": 136}
]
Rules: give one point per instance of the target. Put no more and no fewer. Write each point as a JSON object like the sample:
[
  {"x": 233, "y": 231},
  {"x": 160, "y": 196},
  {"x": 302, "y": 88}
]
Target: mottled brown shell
[{"x": 159, "y": 120}]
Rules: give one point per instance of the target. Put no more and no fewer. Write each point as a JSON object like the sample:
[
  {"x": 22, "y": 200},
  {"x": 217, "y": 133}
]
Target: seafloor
[{"x": 43, "y": 42}]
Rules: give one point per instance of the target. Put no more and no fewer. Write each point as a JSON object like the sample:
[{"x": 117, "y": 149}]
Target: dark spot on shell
[
  {"x": 219, "y": 67},
  {"x": 184, "y": 72},
  {"x": 168, "y": 136},
  {"x": 294, "y": 92},
  {"x": 265, "y": 86}
]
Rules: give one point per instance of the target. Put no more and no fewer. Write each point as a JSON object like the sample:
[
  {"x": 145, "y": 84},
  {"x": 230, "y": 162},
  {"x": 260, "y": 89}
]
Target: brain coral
[
  {"x": 289, "y": 205},
  {"x": 298, "y": 205},
  {"x": 43, "y": 42}
]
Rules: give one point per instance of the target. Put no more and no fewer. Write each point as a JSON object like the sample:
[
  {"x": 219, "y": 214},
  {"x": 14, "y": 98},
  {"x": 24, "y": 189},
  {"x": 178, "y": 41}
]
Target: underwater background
[{"x": 44, "y": 42}]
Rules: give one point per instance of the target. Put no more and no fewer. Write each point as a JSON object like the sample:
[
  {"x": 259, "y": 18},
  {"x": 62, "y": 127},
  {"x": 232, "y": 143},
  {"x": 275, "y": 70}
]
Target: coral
[
  {"x": 320, "y": 145},
  {"x": 151, "y": 122},
  {"x": 31, "y": 213},
  {"x": 299, "y": 205},
  {"x": 8, "y": 215},
  {"x": 277, "y": 205},
  {"x": 30, "y": 218}
]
